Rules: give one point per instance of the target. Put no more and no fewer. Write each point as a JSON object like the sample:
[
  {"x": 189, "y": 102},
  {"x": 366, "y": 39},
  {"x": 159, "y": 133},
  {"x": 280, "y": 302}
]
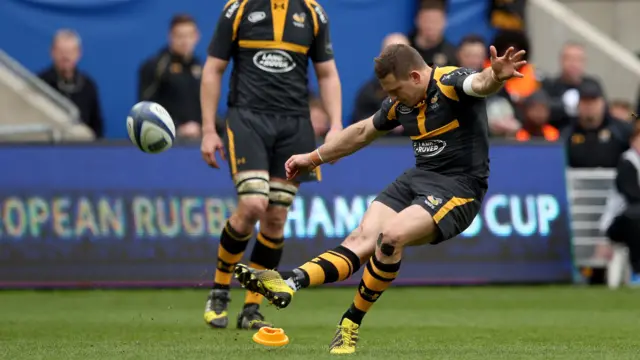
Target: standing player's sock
[
  {"x": 376, "y": 279},
  {"x": 266, "y": 254},
  {"x": 332, "y": 266},
  {"x": 230, "y": 251}
]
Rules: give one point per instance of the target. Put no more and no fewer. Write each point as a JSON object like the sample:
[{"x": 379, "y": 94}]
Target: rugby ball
[{"x": 150, "y": 127}]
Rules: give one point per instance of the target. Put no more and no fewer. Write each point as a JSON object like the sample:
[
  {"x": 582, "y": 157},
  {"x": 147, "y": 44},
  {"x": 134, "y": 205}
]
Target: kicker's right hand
[
  {"x": 211, "y": 143},
  {"x": 298, "y": 164}
]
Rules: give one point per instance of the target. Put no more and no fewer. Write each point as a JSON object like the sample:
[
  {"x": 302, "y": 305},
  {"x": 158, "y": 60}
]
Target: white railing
[
  {"x": 11, "y": 131},
  {"x": 40, "y": 86},
  {"x": 587, "y": 191}
]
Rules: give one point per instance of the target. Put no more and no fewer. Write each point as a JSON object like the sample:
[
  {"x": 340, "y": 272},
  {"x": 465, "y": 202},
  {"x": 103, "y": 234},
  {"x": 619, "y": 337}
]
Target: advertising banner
[{"x": 106, "y": 215}]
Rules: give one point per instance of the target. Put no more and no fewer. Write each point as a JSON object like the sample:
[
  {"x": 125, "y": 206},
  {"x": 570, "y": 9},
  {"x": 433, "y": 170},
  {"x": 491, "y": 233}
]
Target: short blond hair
[{"x": 66, "y": 34}]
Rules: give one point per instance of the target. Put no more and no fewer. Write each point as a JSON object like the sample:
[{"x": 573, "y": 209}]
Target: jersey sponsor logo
[
  {"x": 232, "y": 9},
  {"x": 321, "y": 14},
  {"x": 428, "y": 148},
  {"x": 274, "y": 61},
  {"x": 298, "y": 20},
  {"x": 404, "y": 109},
  {"x": 256, "y": 16}
]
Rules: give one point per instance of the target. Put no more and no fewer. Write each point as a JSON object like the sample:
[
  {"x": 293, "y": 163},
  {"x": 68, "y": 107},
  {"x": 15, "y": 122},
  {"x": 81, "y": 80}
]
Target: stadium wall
[{"x": 108, "y": 215}]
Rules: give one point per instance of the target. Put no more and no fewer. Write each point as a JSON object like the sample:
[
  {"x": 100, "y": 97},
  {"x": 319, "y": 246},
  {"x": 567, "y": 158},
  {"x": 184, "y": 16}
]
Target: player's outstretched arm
[
  {"x": 346, "y": 142},
  {"x": 349, "y": 140},
  {"x": 491, "y": 79}
]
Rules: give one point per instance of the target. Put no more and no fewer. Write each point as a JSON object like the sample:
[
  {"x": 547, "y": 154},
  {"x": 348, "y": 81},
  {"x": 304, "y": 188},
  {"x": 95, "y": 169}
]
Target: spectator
[
  {"x": 535, "y": 122},
  {"x": 472, "y": 52},
  {"x": 501, "y": 117},
  {"x": 517, "y": 89},
  {"x": 563, "y": 89},
  {"x": 371, "y": 94},
  {"x": 621, "y": 109},
  {"x": 428, "y": 36},
  {"x": 621, "y": 220},
  {"x": 597, "y": 139},
  {"x": 172, "y": 77},
  {"x": 319, "y": 117},
  {"x": 79, "y": 87}
]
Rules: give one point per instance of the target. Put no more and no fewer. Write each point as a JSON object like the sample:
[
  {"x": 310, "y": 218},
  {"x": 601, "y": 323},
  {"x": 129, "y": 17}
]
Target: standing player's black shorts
[
  {"x": 452, "y": 201},
  {"x": 263, "y": 141}
]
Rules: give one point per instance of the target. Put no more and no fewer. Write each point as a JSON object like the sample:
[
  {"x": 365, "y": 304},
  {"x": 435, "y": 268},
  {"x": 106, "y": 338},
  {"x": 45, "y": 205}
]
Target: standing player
[
  {"x": 270, "y": 42},
  {"x": 444, "y": 112}
]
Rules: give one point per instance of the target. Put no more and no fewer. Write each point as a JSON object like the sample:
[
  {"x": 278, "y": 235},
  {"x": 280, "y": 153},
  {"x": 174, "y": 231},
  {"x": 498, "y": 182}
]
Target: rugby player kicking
[{"x": 444, "y": 112}]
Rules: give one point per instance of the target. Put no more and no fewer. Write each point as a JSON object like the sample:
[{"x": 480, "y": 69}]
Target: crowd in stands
[{"x": 570, "y": 106}]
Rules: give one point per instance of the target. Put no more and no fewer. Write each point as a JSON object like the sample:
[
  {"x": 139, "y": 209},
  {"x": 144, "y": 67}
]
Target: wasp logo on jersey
[
  {"x": 298, "y": 20},
  {"x": 433, "y": 201}
]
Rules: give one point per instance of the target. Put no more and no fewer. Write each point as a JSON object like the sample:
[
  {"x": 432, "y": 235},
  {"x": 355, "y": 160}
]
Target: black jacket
[
  {"x": 173, "y": 82},
  {"x": 368, "y": 100},
  {"x": 83, "y": 92},
  {"x": 601, "y": 147}
]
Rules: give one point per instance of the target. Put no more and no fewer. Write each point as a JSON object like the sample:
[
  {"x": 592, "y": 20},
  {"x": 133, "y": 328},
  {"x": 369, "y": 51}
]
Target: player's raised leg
[
  {"x": 269, "y": 246},
  {"x": 332, "y": 266},
  {"x": 411, "y": 226}
]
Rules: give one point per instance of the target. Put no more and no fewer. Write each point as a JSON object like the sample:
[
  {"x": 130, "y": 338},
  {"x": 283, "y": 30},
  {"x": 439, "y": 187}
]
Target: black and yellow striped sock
[
  {"x": 266, "y": 254},
  {"x": 376, "y": 279},
  {"x": 230, "y": 251},
  {"x": 332, "y": 266}
]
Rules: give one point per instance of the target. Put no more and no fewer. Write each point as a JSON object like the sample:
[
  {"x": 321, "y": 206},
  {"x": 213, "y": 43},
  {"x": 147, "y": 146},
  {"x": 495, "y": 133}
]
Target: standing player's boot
[
  {"x": 251, "y": 319},
  {"x": 267, "y": 283},
  {"x": 344, "y": 342},
  {"x": 215, "y": 311}
]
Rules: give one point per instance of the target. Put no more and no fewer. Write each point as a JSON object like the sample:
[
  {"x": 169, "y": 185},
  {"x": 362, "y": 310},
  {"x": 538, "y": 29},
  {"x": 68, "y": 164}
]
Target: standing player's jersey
[
  {"x": 449, "y": 128},
  {"x": 270, "y": 42}
]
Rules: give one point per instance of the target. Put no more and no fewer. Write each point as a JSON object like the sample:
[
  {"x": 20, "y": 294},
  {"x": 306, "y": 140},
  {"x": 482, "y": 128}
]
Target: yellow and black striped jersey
[
  {"x": 449, "y": 128},
  {"x": 271, "y": 42}
]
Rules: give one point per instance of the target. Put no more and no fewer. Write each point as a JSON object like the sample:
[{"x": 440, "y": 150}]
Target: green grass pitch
[{"x": 487, "y": 323}]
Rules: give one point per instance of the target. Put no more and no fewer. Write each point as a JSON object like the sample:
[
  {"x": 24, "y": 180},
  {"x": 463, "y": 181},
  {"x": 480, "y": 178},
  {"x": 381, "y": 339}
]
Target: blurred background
[{"x": 81, "y": 207}]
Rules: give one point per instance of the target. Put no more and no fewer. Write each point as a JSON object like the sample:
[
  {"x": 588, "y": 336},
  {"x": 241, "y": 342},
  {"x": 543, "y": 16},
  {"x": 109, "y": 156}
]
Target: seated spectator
[
  {"x": 501, "y": 118},
  {"x": 472, "y": 52},
  {"x": 79, "y": 87},
  {"x": 371, "y": 94},
  {"x": 597, "y": 139},
  {"x": 563, "y": 89},
  {"x": 428, "y": 36},
  {"x": 621, "y": 219},
  {"x": 535, "y": 122},
  {"x": 172, "y": 77},
  {"x": 621, "y": 109}
]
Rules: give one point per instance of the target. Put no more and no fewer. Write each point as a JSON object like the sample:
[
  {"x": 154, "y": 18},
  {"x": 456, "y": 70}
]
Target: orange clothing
[
  {"x": 520, "y": 88},
  {"x": 548, "y": 132}
]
